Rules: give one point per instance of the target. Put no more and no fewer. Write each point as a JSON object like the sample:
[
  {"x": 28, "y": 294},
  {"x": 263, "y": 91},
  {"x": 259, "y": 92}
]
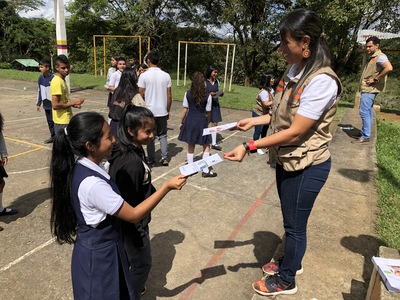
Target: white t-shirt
[
  {"x": 208, "y": 106},
  {"x": 156, "y": 83},
  {"x": 97, "y": 198},
  {"x": 115, "y": 78},
  {"x": 380, "y": 61},
  {"x": 319, "y": 95}
]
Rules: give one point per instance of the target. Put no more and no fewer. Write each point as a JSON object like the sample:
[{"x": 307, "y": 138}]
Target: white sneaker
[{"x": 259, "y": 151}]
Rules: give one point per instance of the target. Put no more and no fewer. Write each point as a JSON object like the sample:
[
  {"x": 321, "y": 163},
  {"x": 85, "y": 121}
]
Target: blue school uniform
[
  {"x": 194, "y": 123},
  {"x": 99, "y": 265},
  {"x": 216, "y": 110}
]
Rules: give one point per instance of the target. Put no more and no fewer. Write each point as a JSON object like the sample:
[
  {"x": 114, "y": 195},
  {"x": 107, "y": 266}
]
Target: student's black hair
[
  {"x": 67, "y": 146},
  {"x": 133, "y": 117},
  {"x": 1, "y": 122},
  {"x": 210, "y": 70},
  {"x": 374, "y": 39},
  {"x": 127, "y": 87},
  {"x": 265, "y": 81},
  {"x": 120, "y": 58},
  {"x": 153, "y": 57},
  {"x": 62, "y": 59},
  {"x": 45, "y": 63}
]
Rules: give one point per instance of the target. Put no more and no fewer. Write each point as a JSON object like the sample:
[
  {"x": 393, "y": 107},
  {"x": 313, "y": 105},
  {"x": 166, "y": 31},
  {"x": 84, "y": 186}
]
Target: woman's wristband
[{"x": 250, "y": 146}]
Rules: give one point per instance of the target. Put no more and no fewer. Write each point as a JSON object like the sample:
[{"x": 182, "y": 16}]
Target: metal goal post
[
  {"x": 139, "y": 37},
  {"x": 227, "y": 45}
]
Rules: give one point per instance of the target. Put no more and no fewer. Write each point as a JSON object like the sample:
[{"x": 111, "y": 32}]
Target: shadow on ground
[
  {"x": 366, "y": 246},
  {"x": 26, "y": 204},
  {"x": 163, "y": 253}
]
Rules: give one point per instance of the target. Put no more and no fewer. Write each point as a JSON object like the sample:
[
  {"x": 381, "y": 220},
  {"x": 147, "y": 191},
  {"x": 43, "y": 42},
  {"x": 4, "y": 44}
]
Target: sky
[{"x": 46, "y": 11}]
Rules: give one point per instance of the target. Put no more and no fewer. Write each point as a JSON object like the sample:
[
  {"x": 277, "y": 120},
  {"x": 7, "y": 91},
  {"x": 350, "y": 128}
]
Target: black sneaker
[
  {"x": 216, "y": 147},
  {"x": 143, "y": 291},
  {"x": 8, "y": 212},
  {"x": 151, "y": 163},
  {"x": 49, "y": 140},
  {"x": 164, "y": 162},
  {"x": 209, "y": 174},
  {"x": 273, "y": 285}
]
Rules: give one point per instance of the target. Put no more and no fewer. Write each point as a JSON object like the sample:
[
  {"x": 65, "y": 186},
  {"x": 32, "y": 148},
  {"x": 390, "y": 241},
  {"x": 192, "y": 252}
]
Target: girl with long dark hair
[{"x": 87, "y": 206}]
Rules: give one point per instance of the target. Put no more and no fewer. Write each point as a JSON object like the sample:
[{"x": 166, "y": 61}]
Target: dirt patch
[{"x": 388, "y": 116}]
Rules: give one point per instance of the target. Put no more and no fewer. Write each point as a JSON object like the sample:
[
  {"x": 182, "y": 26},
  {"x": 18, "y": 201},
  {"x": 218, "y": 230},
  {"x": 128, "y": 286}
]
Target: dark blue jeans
[
  {"x": 297, "y": 193},
  {"x": 259, "y": 130}
]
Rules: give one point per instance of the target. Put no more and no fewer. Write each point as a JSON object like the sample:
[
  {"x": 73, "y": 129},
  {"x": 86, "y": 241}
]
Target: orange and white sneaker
[
  {"x": 274, "y": 285},
  {"x": 272, "y": 267}
]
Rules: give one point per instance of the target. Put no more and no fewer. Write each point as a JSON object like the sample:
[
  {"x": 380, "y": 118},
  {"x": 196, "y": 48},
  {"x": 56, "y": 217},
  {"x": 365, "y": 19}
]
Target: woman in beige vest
[{"x": 302, "y": 110}]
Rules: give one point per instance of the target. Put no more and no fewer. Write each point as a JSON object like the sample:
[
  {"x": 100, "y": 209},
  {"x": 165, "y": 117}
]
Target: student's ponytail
[
  {"x": 67, "y": 146},
  {"x": 63, "y": 219}
]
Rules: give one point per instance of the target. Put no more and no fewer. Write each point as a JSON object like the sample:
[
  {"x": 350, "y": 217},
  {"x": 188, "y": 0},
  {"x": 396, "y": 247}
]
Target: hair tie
[{"x": 65, "y": 131}]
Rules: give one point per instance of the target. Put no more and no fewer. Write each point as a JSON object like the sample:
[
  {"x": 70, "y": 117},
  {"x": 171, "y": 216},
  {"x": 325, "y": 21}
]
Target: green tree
[
  {"x": 14, "y": 32},
  {"x": 343, "y": 19}
]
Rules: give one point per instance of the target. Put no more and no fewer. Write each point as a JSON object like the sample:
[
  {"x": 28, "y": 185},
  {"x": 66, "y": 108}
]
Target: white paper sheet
[
  {"x": 200, "y": 165},
  {"x": 219, "y": 128}
]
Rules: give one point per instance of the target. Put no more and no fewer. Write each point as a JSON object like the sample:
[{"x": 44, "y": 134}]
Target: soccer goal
[
  {"x": 105, "y": 37},
  {"x": 227, "y": 45}
]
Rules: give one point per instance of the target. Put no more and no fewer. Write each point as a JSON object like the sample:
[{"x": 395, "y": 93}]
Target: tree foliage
[
  {"x": 252, "y": 27},
  {"x": 344, "y": 19},
  {"x": 21, "y": 37}
]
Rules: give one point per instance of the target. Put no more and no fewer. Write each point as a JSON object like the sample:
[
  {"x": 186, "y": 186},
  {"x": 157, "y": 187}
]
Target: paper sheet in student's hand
[
  {"x": 219, "y": 128},
  {"x": 219, "y": 93},
  {"x": 200, "y": 165}
]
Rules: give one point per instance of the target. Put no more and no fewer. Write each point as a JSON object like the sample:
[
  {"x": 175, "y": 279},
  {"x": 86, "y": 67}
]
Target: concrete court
[{"x": 210, "y": 239}]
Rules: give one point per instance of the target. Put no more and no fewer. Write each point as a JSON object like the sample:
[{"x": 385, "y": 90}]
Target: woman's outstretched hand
[
  {"x": 236, "y": 154},
  {"x": 245, "y": 124}
]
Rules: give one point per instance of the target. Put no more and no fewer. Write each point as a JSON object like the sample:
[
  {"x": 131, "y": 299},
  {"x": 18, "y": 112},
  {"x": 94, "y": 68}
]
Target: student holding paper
[
  {"x": 132, "y": 174},
  {"x": 195, "y": 117},
  {"x": 263, "y": 105},
  {"x": 302, "y": 111},
  {"x": 212, "y": 87}
]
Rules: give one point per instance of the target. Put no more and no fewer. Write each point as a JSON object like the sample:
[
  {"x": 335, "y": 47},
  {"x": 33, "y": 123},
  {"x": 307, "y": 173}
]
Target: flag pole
[{"x": 61, "y": 34}]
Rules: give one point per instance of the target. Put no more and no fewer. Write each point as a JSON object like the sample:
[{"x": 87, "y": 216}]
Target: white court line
[
  {"x": 28, "y": 171},
  {"x": 33, "y": 251},
  {"x": 27, "y": 119}
]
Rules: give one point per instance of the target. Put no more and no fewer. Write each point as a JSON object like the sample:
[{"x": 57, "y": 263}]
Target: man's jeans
[
  {"x": 367, "y": 114},
  {"x": 297, "y": 193}
]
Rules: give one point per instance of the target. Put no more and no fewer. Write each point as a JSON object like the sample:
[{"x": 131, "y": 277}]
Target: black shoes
[
  {"x": 216, "y": 147},
  {"x": 209, "y": 174},
  {"x": 164, "y": 162},
  {"x": 49, "y": 140},
  {"x": 8, "y": 212}
]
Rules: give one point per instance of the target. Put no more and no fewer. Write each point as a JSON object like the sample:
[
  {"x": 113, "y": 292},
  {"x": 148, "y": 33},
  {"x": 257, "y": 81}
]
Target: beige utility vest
[
  {"x": 312, "y": 149},
  {"x": 370, "y": 70}
]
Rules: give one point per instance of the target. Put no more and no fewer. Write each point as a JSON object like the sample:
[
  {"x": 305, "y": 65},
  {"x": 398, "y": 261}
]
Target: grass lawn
[{"x": 388, "y": 182}]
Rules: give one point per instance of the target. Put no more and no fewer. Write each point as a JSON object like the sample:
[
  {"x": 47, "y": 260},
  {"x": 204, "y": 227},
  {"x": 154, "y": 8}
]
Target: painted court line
[
  {"x": 37, "y": 147},
  {"x": 28, "y": 171},
  {"x": 218, "y": 254},
  {"x": 26, "y": 255}
]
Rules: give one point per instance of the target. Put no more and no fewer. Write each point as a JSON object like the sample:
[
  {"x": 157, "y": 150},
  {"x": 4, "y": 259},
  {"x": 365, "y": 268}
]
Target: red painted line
[{"x": 215, "y": 258}]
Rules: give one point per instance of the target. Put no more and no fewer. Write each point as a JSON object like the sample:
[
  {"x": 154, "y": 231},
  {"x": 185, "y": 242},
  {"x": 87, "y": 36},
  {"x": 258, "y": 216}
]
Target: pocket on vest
[{"x": 294, "y": 158}]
